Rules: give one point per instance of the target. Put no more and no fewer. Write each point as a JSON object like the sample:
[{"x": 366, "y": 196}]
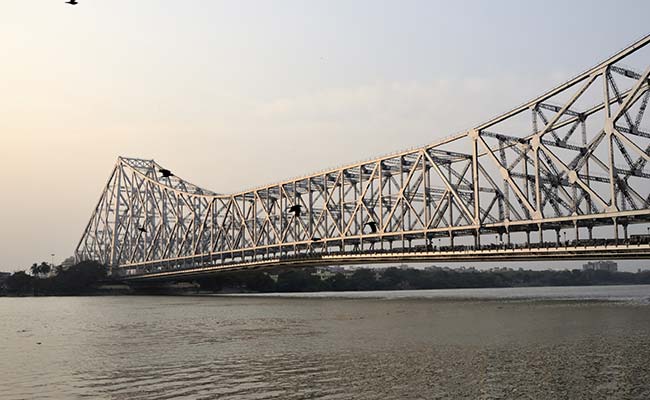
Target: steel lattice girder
[{"x": 575, "y": 156}]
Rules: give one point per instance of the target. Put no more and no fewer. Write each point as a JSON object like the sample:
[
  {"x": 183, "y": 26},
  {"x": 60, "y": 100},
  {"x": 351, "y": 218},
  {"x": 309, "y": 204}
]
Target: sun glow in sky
[{"x": 232, "y": 95}]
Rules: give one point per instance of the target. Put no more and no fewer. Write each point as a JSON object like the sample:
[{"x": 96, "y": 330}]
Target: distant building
[
  {"x": 68, "y": 262},
  {"x": 500, "y": 269},
  {"x": 330, "y": 271},
  {"x": 324, "y": 272},
  {"x": 610, "y": 266}
]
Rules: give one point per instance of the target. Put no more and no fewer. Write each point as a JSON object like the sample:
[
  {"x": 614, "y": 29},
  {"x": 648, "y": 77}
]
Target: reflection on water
[{"x": 362, "y": 346}]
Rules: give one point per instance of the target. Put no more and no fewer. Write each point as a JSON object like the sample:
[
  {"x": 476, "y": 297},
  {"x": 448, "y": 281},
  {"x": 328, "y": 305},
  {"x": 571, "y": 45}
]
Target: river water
[{"x": 539, "y": 343}]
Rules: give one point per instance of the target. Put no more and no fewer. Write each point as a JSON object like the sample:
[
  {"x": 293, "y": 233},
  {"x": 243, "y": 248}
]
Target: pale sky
[{"x": 231, "y": 95}]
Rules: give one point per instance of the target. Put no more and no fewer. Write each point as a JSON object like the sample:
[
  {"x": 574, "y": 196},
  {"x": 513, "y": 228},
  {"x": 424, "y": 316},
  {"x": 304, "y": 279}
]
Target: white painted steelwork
[{"x": 572, "y": 160}]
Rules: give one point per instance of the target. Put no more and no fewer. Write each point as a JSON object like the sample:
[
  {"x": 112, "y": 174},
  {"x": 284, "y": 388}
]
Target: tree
[
  {"x": 20, "y": 283},
  {"x": 40, "y": 269},
  {"x": 79, "y": 278},
  {"x": 258, "y": 281},
  {"x": 338, "y": 282},
  {"x": 45, "y": 268},
  {"x": 298, "y": 280},
  {"x": 363, "y": 279}
]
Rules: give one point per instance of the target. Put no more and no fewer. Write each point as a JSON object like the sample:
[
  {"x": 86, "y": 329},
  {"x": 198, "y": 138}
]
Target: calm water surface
[{"x": 540, "y": 343}]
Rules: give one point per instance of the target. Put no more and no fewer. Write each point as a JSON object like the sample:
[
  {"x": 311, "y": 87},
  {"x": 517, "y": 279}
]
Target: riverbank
[
  {"x": 84, "y": 278},
  {"x": 366, "y": 279},
  {"x": 89, "y": 278}
]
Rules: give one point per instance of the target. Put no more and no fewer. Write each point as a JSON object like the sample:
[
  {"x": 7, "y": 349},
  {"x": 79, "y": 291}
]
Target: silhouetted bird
[
  {"x": 142, "y": 229},
  {"x": 165, "y": 172},
  {"x": 315, "y": 239},
  {"x": 373, "y": 226},
  {"x": 295, "y": 209},
  {"x": 73, "y": 2}
]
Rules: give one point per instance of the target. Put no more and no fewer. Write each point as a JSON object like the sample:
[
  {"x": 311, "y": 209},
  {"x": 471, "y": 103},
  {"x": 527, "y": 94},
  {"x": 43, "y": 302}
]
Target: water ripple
[{"x": 322, "y": 348}]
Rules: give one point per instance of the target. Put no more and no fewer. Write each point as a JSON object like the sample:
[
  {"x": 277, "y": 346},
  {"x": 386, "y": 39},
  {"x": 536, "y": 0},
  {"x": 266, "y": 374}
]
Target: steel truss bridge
[{"x": 574, "y": 161}]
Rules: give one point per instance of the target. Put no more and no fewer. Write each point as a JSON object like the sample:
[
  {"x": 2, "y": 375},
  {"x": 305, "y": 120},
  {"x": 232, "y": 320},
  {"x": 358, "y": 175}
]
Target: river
[{"x": 539, "y": 343}]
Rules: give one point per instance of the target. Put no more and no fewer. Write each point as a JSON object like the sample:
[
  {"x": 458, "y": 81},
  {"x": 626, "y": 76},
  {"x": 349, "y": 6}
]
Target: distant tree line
[
  {"x": 81, "y": 278},
  {"x": 305, "y": 280},
  {"x": 85, "y": 277}
]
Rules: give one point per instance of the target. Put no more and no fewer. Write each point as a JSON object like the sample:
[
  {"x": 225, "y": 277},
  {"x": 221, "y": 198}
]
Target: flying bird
[
  {"x": 373, "y": 226},
  {"x": 142, "y": 229},
  {"x": 295, "y": 209},
  {"x": 72, "y": 2},
  {"x": 165, "y": 172}
]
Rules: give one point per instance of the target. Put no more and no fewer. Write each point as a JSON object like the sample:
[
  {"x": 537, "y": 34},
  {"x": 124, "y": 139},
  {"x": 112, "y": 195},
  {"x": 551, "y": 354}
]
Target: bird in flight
[
  {"x": 73, "y": 2},
  {"x": 295, "y": 209},
  {"x": 373, "y": 226},
  {"x": 165, "y": 173}
]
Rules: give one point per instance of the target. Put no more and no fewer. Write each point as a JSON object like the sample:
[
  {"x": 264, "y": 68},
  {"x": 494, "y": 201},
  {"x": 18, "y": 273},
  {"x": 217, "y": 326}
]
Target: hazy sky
[{"x": 231, "y": 95}]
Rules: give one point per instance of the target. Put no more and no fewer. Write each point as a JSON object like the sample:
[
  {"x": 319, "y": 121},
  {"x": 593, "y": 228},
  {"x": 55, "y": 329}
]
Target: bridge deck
[{"x": 170, "y": 270}]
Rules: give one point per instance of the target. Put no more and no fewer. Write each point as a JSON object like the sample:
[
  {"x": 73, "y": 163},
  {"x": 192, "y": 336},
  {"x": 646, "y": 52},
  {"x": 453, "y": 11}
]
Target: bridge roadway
[{"x": 190, "y": 267}]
